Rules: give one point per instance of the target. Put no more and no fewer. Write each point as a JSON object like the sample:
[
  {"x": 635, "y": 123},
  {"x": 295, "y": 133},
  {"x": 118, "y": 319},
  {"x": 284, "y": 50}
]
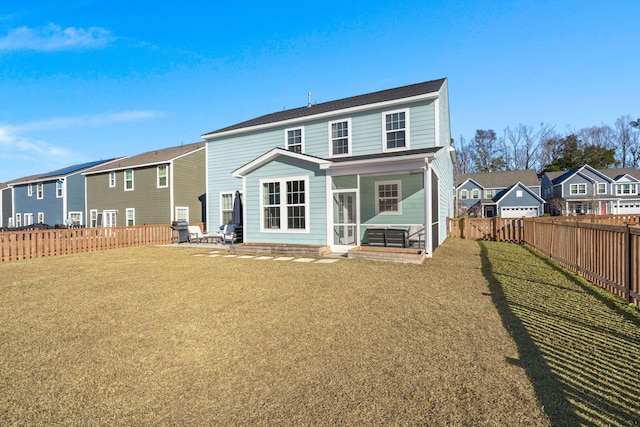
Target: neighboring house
[
  {"x": 510, "y": 194},
  {"x": 325, "y": 173},
  {"x": 592, "y": 191},
  {"x": 53, "y": 198},
  {"x": 155, "y": 187}
]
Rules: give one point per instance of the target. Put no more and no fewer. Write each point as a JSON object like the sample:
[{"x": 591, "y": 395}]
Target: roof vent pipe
[{"x": 308, "y": 99}]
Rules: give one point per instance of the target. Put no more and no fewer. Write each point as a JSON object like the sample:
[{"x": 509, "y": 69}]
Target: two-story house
[
  {"x": 53, "y": 198},
  {"x": 592, "y": 191},
  {"x": 156, "y": 187},
  {"x": 325, "y": 173},
  {"x": 509, "y": 194}
]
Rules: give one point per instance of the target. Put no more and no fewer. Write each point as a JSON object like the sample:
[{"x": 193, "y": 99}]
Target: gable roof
[
  {"x": 150, "y": 158},
  {"x": 504, "y": 194},
  {"x": 270, "y": 156},
  {"x": 613, "y": 174},
  {"x": 403, "y": 92},
  {"x": 500, "y": 179}
]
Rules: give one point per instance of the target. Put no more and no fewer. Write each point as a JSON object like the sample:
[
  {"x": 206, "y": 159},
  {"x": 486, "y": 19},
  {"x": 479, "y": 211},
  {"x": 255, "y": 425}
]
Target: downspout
[
  {"x": 172, "y": 208},
  {"x": 428, "y": 238}
]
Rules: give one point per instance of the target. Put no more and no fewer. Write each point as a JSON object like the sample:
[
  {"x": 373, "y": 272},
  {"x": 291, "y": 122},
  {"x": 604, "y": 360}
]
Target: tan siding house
[{"x": 156, "y": 187}]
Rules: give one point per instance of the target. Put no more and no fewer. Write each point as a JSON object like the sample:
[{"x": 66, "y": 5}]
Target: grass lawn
[{"x": 482, "y": 334}]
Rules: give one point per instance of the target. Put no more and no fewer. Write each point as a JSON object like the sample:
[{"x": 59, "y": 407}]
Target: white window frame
[
  {"x": 28, "y": 219},
  {"x": 475, "y": 194},
  {"x": 620, "y": 189},
  {"x": 30, "y": 190},
  {"x": 59, "y": 188},
  {"x": 182, "y": 213},
  {"x": 126, "y": 180},
  {"x": 377, "y": 185},
  {"x": 332, "y": 139},
  {"x": 40, "y": 191},
  {"x": 488, "y": 194},
  {"x": 575, "y": 189},
  {"x": 18, "y": 220},
  {"x": 112, "y": 179},
  {"x": 226, "y": 209},
  {"x": 76, "y": 216},
  {"x": 283, "y": 205},
  {"x": 286, "y": 139},
  {"x": 130, "y": 217},
  {"x": 93, "y": 218},
  {"x": 519, "y": 193},
  {"x": 407, "y": 144},
  {"x": 464, "y": 194},
  {"x": 601, "y": 188},
  {"x": 166, "y": 176},
  {"x": 40, "y": 217}
]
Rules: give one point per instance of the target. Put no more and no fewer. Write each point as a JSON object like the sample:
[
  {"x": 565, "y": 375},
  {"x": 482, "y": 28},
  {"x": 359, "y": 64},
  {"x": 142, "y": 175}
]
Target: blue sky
[{"x": 84, "y": 80}]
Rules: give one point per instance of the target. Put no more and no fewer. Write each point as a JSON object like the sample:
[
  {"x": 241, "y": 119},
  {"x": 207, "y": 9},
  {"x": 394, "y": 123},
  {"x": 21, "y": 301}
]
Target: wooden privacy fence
[
  {"x": 500, "y": 229},
  {"x": 603, "y": 249},
  {"x": 18, "y": 245},
  {"x": 607, "y": 255}
]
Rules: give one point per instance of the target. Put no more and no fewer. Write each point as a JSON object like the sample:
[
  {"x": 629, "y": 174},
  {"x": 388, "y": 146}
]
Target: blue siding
[
  {"x": 50, "y": 205},
  {"x": 413, "y": 204},
  {"x": 511, "y": 199},
  {"x": 76, "y": 195},
  {"x": 469, "y": 186},
  {"x": 316, "y": 194}
]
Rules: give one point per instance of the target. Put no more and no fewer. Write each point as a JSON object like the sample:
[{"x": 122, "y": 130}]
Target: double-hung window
[
  {"x": 226, "y": 207},
  {"x": 40, "y": 217},
  {"x": 40, "y": 190},
  {"x": 284, "y": 204},
  {"x": 475, "y": 193},
  {"x": 577, "y": 189},
  {"x": 128, "y": 180},
  {"x": 59, "y": 188},
  {"x": 488, "y": 194},
  {"x": 602, "y": 188},
  {"x": 463, "y": 194},
  {"x": 389, "y": 197},
  {"x": 395, "y": 130},
  {"x": 294, "y": 140},
  {"x": 625, "y": 189},
  {"x": 131, "y": 217},
  {"x": 340, "y": 138},
  {"x": 112, "y": 179},
  {"x": 162, "y": 176},
  {"x": 30, "y": 190}
]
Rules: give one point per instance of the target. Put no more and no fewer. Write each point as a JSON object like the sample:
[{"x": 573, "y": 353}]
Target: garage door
[
  {"x": 518, "y": 212},
  {"x": 627, "y": 207}
]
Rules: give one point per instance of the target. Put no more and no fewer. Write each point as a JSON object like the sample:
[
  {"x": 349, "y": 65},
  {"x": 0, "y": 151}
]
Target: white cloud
[{"x": 53, "y": 37}]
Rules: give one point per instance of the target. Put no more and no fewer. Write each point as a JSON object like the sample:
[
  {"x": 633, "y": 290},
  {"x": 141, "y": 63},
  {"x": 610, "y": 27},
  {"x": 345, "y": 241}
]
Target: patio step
[{"x": 407, "y": 255}]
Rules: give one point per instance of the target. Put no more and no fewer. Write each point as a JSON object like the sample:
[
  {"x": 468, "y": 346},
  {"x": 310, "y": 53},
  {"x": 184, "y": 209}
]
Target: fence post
[
  {"x": 627, "y": 264},
  {"x": 494, "y": 226}
]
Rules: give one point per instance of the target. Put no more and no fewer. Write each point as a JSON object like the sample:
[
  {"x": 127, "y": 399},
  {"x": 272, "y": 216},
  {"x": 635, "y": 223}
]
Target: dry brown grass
[{"x": 148, "y": 336}]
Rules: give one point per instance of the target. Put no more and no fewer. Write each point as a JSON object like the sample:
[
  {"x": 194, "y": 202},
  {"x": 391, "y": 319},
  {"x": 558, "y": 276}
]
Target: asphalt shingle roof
[
  {"x": 341, "y": 104},
  {"x": 501, "y": 179}
]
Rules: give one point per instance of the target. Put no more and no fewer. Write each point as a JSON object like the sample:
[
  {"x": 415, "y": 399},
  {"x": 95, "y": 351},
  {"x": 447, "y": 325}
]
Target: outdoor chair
[{"x": 196, "y": 235}]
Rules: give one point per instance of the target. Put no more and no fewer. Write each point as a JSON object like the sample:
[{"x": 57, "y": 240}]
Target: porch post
[{"x": 428, "y": 238}]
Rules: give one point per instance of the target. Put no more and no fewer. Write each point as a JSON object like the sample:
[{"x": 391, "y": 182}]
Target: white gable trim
[
  {"x": 523, "y": 187},
  {"x": 271, "y": 155}
]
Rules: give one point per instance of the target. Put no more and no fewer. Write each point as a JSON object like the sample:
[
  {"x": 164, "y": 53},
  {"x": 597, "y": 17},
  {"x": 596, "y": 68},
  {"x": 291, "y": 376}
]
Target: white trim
[
  {"x": 220, "y": 210},
  {"x": 93, "y": 222},
  {"x": 115, "y": 179},
  {"x": 349, "y": 137},
  {"x": 40, "y": 217},
  {"x": 436, "y": 106},
  {"x": 407, "y": 138},
  {"x": 61, "y": 195},
  {"x": 274, "y": 153},
  {"x": 283, "y": 205},
  {"x": 376, "y": 185},
  {"x": 126, "y": 217},
  {"x": 286, "y": 138},
  {"x": 39, "y": 194},
  {"x": 166, "y": 176},
  {"x": 125, "y": 180},
  {"x": 333, "y": 113}
]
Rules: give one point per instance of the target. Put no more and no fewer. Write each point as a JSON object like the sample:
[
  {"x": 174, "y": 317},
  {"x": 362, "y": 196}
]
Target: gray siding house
[
  {"x": 592, "y": 191},
  {"x": 326, "y": 173},
  {"x": 510, "y": 194},
  {"x": 156, "y": 187}
]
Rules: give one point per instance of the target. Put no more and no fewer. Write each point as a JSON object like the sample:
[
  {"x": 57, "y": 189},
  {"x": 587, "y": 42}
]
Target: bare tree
[
  {"x": 627, "y": 142},
  {"x": 524, "y": 145},
  {"x": 464, "y": 163},
  {"x": 487, "y": 152}
]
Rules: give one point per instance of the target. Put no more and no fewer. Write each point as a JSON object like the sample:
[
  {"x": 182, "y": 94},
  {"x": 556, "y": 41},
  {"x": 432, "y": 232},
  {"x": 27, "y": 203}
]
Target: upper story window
[
  {"x": 518, "y": 193},
  {"x": 389, "y": 196},
  {"x": 340, "y": 137},
  {"x": 288, "y": 211},
  {"x": 396, "y": 130},
  {"x": 576, "y": 189},
  {"x": 112, "y": 179},
  {"x": 464, "y": 194},
  {"x": 128, "y": 180},
  {"x": 30, "y": 190},
  {"x": 162, "y": 176},
  {"x": 475, "y": 193},
  {"x": 625, "y": 189},
  {"x": 40, "y": 190},
  {"x": 294, "y": 139},
  {"x": 602, "y": 188},
  {"x": 488, "y": 193},
  {"x": 59, "y": 188}
]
